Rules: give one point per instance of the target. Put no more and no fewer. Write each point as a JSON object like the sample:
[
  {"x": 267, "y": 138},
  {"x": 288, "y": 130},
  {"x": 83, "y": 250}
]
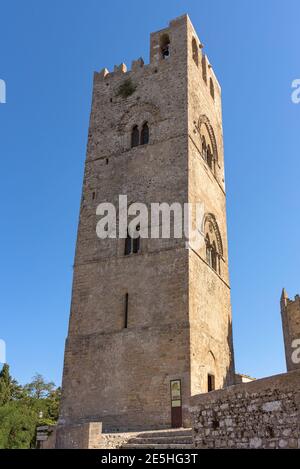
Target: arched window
[
  {"x": 211, "y": 88},
  {"x": 135, "y": 136},
  {"x": 195, "y": 51},
  {"x": 145, "y": 134},
  {"x": 213, "y": 243},
  {"x": 165, "y": 46},
  {"x": 208, "y": 144}
]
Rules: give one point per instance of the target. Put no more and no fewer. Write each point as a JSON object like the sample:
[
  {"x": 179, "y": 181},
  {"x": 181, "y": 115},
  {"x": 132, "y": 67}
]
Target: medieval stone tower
[
  {"x": 150, "y": 321},
  {"x": 290, "y": 314}
]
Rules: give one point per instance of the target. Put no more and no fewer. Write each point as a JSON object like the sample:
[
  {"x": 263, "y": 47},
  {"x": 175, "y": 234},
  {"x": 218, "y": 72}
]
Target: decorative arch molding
[
  {"x": 204, "y": 120},
  {"x": 138, "y": 113},
  {"x": 209, "y": 218},
  {"x": 211, "y": 356}
]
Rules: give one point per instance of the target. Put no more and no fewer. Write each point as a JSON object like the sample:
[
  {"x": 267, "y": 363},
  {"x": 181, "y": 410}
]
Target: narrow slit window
[
  {"x": 204, "y": 74},
  {"x": 126, "y": 312},
  {"x": 212, "y": 89}
]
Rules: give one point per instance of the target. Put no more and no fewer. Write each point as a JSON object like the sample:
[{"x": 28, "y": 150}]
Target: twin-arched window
[
  {"x": 140, "y": 137},
  {"x": 208, "y": 143},
  {"x": 213, "y": 243}
]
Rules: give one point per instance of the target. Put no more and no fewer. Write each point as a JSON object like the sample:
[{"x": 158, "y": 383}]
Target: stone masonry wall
[
  {"x": 209, "y": 290},
  {"x": 88, "y": 436},
  {"x": 260, "y": 414}
]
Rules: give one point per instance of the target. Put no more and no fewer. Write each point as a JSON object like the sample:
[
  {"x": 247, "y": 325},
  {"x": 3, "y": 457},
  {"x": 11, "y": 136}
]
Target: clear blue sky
[{"x": 49, "y": 51}]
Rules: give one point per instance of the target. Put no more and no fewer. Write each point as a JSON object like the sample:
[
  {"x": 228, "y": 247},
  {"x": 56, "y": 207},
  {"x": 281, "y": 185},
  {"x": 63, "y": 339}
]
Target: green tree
[
  {"x": 23, "y": 408},
  {"x": 53, "y": 402},
  {"x": 39, "y": 388},
  {"x": 9, "y": 388},
  {"x": 17, "y": 425},
  {"x": 5, "y": 378}
]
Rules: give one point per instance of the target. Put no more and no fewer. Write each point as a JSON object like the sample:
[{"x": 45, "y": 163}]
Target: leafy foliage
[
  {"x": 23, "y": 408},
  {"x": 127, "y": 88},
  {"x": 9, "y": 388},
  {"x": 17, "y": 425}
]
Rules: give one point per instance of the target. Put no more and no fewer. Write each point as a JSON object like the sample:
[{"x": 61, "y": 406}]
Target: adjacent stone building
[
  {"x": 263, "y": 413},
  {"x": 150, "y": 321}
]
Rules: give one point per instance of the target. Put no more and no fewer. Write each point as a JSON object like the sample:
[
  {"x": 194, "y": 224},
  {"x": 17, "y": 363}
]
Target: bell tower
[{"x": 150, "y": 321}]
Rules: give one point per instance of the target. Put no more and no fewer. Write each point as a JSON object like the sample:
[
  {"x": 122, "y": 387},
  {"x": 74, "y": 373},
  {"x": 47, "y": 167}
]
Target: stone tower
[
  {"x": 290, "y": 314},
  {"x": 150, "y": 324}
]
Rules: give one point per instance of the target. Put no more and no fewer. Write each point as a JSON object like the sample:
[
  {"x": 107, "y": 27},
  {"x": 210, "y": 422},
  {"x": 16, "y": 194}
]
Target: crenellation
[
  {"x": 137, "y": 64},
  {"x": 119, "y": 69},
  {"x": 102, "y": 74}
]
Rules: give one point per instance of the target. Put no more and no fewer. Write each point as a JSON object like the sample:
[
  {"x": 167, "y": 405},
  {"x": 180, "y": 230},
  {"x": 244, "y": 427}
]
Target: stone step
[
  {"x": 166, "y": 433},
  {"x": 170, "y": 438},
  {"x": 158, "y": 446},
  {"x": 184, "y": 439}
]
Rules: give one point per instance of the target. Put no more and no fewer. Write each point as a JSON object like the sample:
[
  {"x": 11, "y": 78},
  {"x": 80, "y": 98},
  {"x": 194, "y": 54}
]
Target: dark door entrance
[{"x": 176, "y": 403}]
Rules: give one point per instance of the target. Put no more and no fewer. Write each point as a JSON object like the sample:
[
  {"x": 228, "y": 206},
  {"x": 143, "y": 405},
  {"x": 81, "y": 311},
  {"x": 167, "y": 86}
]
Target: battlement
[
  {"x": 286, "y": 301},
  {"x": 178, "y": 43},
  {"x": 296, "y": 299}
]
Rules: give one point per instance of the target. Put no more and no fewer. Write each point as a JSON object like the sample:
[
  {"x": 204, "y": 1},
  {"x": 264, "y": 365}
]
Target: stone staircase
[{"x": 175, "y": 438}]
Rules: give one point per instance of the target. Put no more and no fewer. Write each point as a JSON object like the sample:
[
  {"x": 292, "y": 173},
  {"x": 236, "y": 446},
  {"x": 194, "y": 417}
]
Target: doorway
[{"x": 176, "y": 403}]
